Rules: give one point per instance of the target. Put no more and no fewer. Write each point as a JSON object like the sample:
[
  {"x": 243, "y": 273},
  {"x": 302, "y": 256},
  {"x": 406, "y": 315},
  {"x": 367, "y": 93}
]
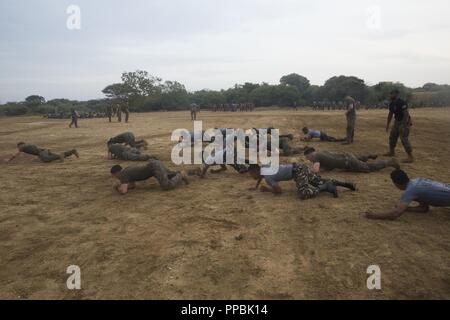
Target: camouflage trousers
[
  {"x": 350, "y": 130},
  {"x": 168, "y": 180},
  {"x": 134, "y": 154},
  {"x": 74, "y": 122},
  {"x": 400, "y": 129},
  {"x": 325, "y": 137},
  {"x": 48, "y": 156},
  {"x": 306, "y": 181},
  {"x": 359, "y": 163},
  {"x": 137, "y": 143}
]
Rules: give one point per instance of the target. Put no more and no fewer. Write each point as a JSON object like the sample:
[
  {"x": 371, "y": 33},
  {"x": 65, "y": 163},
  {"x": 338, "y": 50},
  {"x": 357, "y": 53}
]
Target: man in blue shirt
[
  {"x": 427, "y": 193},
  {"x": 312, "y": 133}
]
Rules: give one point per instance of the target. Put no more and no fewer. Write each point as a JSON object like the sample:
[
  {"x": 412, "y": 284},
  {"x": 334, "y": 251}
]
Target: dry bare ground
[{"x": 214, "y": 238}]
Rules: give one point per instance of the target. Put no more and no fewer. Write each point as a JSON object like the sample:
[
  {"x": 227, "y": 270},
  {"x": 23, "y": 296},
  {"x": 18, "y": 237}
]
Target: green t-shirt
[
  {"x": 136, "y": 173},
  {"x": 30, "y": 149},
  {"x": 126, "y": 137},
  {"x": 117, "y": 150}
]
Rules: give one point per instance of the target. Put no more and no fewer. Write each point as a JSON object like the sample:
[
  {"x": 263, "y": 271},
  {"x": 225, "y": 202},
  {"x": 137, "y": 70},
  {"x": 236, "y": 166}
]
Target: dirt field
[{"x": 214, "y": 239}]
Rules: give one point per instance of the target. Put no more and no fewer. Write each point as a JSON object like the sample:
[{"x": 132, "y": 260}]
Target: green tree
[
  {"x": 118, "y": 91},
  {"x": 34, "y": 101},
  {"x": 297, "y": 81},
  {"x": 142, "y": 83},
  {"x": 380, "y": 91},
  {"x": 337, "y": 88}
]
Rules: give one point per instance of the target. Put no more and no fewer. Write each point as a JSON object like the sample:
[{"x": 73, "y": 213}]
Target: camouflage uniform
[
  {"x": 167, "y": 179},
  {"x": 122, "y": 152},
  {"x": 285, "y": 146},
  {"x": 127, "y": 138},
  {"x": 348, "y": 162},
  {"x": 44, "y": 155},
  {"x": 74, "y": 117},
  {"x": 48, "y": 156},
  {"x": 351, "y": 121},
  {"x": 401, "y": 127},
  {"x": 194, "y": 109},
  {"x": 124, "y": 109},
  {"x": 109, "y": 112},
  {"x": 307, "y": 182},
  {"x": 119, "y": 113}
]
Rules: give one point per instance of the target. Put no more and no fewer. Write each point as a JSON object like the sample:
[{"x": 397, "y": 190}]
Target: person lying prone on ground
[
  {"x": 312, "y": 133},
  {"x": 427, "y": 193},
  {"x": 308, "y": 183},
  {"x": 347, "y": 161},
  {"x": 44, "y": 155},
  {"x": 210, "y": 162},
  {"x": 122, "y": 152},
  {"x": 129, "y": 139},
  {"x": 125, "y": 179}
]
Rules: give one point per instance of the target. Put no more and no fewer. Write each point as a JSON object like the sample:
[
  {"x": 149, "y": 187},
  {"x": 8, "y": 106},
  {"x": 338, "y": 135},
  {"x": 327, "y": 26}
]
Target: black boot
[
  {"x": 329, "y": 187},
  {"x": 348, "y": 185}
]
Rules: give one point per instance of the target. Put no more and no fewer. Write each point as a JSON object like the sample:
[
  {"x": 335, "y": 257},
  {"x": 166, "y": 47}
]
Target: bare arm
[
  {"x": 388, "y": 215},
  {"x": 421, "y": 208},
  {"x": 13, "y": 157},
  {"x": 276, "y": 189},
  {"x": 122, "y": 188}
]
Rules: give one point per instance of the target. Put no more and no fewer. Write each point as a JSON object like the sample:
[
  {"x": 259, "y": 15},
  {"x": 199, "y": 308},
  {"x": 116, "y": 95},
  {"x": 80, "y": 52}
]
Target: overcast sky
[{"x": 209, "y": 44}]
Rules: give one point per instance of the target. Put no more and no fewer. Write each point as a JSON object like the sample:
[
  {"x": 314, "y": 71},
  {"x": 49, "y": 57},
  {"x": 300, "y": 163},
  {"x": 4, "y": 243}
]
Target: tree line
[{"x": 144, "y": 92}]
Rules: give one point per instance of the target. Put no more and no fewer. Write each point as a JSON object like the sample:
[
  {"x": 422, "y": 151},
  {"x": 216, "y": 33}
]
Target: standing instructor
[{"x": 398, "y": 109}]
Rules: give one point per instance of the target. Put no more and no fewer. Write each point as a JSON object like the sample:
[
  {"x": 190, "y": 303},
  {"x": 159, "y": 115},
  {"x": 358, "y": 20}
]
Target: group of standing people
[
  {"x": 111, "y": 111},
  {"x": 234, "y": 107},
  {"x": 117, "y": 110}
]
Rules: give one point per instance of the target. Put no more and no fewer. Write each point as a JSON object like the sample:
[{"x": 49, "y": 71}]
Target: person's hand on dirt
[
  {"x": 368, "y": 214},
  {"x": 115, "y": 184}
]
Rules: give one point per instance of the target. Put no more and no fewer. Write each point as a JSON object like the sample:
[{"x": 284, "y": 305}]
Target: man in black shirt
[{"x": 398, "y": 109}]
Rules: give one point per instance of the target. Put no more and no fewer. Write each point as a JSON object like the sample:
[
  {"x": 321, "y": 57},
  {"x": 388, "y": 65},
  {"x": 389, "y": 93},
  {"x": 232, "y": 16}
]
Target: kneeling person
[
  {"x": 44, "y": 154},
  {"x": 122, "y": 152},
  {"x": 309, "y": 184},
  {"x": 127, "y": 178},
  {"x": 426, "y": 192}
]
